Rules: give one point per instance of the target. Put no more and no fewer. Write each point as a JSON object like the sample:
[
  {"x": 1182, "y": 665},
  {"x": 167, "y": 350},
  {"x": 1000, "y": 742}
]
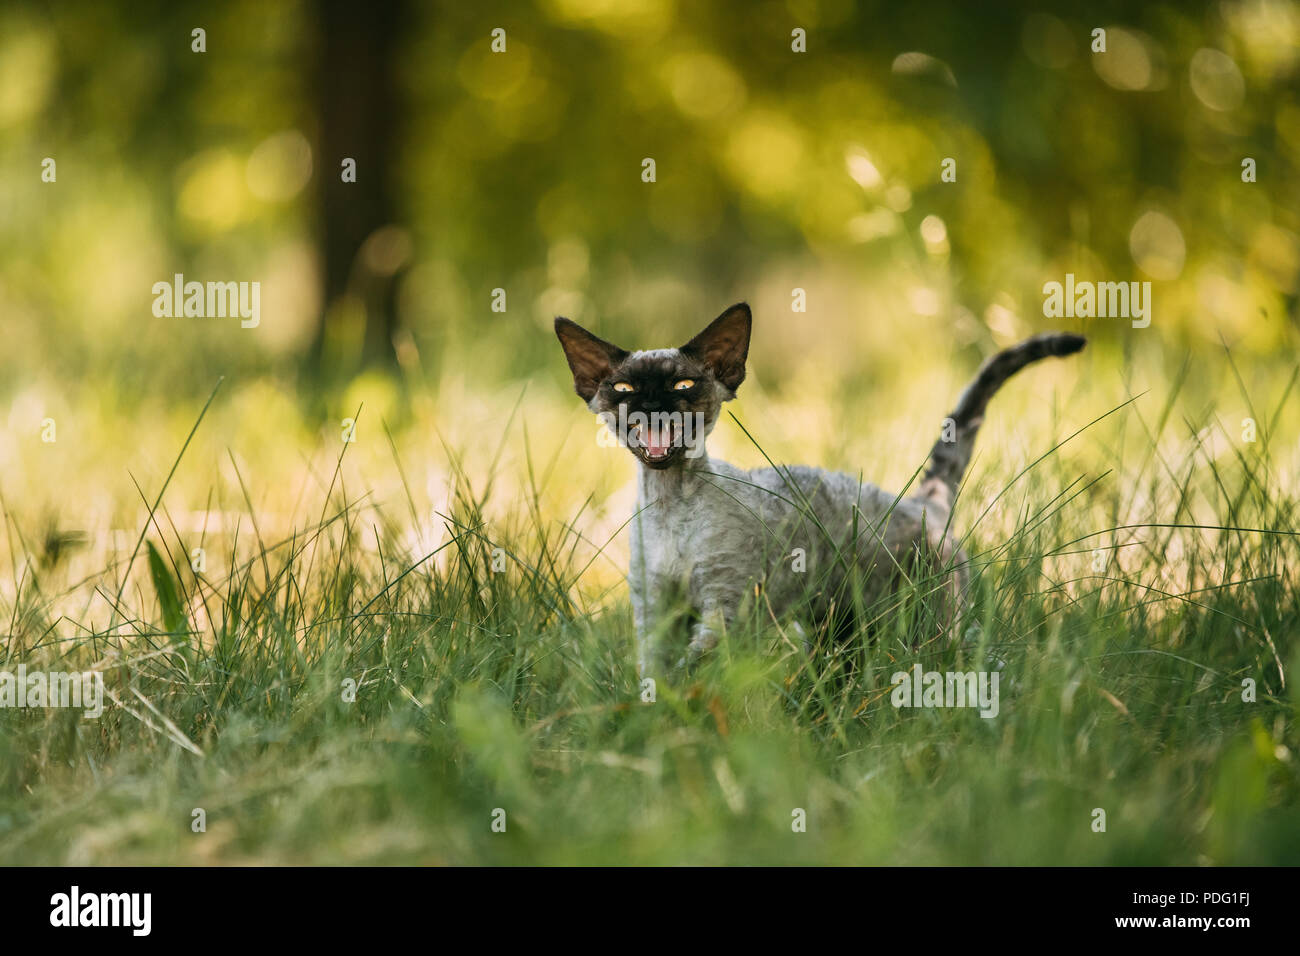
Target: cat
[{"x": 709, "y": 538}]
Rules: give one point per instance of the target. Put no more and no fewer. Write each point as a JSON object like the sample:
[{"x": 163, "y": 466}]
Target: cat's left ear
[{"x": 724, "y": 345}]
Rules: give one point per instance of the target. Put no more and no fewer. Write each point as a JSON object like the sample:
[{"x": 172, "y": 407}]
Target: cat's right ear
[{"x": 590, "y": 359}]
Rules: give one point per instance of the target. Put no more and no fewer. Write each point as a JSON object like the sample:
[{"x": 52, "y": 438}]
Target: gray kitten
[{"x": 816, "y": 548}]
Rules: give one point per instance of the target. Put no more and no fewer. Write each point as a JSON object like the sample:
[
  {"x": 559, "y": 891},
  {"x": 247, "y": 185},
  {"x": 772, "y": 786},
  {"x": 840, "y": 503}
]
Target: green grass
[{"x": 475, "y": 690}]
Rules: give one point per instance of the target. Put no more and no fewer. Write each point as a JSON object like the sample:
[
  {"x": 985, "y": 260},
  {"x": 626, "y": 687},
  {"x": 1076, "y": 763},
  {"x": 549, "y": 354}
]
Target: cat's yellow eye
[
  {"x": 623, "y": 387},
  {"x": 685, "y": 384}
]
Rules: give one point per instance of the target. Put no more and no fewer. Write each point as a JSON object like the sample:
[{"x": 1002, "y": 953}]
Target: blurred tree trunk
[{"x": 357, "y": 109}]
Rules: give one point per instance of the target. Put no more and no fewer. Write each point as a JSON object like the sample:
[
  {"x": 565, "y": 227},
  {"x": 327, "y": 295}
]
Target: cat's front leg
[
  {"x": 643, "y": 595},
  {"x": 718, "y": 605},
  {"x": 644, "y": 625}
]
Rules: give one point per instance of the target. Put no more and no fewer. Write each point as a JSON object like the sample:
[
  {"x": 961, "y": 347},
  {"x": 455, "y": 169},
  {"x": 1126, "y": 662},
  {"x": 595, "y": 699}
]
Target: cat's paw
[{"x": 703, "y": 641}]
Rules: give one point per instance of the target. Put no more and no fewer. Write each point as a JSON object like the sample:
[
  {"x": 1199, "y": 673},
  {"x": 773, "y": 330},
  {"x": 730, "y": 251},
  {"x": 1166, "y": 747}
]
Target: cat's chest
[
  {"x": 668, "y": 539},
  {"x": 689, "y": 523}
]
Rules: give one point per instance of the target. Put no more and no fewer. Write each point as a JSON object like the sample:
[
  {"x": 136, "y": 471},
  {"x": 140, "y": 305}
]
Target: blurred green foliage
[{"x": 521, "y": 170}]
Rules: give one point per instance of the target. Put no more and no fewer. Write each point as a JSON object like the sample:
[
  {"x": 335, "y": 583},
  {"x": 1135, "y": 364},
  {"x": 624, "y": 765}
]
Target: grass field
[{"x": 1134, "y": 558}]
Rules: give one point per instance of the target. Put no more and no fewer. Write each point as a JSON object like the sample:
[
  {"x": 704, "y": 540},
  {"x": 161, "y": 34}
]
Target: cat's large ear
[
  {"x": 724, "y": 345},
  {"x": 590, "y": 359}
]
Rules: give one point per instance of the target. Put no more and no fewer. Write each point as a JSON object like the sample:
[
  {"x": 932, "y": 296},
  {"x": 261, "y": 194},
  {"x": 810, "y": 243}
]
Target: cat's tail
[{"x": 951, "y": 453}]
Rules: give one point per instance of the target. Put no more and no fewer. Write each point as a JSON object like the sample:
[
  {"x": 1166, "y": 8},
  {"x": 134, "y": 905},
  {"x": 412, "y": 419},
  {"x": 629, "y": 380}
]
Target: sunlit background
[{"x": 521, "y": 171}]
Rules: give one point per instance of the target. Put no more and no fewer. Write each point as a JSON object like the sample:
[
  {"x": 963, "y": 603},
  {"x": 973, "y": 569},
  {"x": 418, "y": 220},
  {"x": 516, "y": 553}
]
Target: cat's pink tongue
[{"x": 658, "y": 441}]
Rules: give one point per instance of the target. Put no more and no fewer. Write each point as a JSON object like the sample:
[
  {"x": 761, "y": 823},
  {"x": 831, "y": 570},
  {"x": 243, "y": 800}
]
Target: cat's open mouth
[{"x": 657, "y": 446}]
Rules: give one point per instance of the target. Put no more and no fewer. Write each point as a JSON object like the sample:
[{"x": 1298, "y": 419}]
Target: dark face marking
[
  {"x": 660, "y": 402},
  {"x": 671, "y": 396}
]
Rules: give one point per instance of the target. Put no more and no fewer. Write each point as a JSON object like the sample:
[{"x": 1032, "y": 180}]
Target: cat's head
[{"x": 660, "y": 404}]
